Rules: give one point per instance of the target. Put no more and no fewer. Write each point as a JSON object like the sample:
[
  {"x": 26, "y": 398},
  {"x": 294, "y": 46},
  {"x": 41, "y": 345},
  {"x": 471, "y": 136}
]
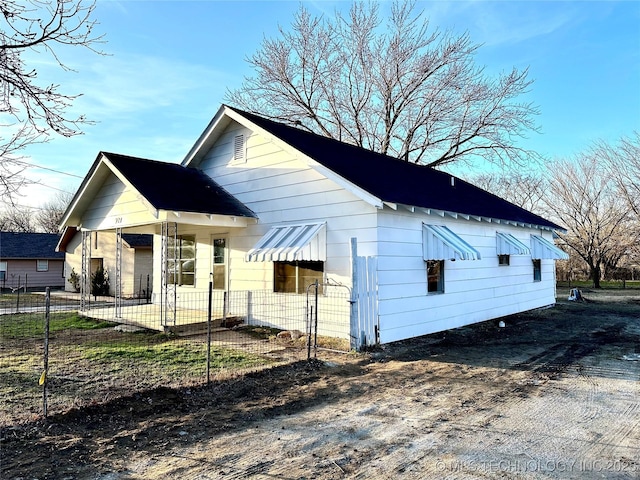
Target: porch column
[
  {"x": 85, "y": 271},
  {"x": 168, "y": 260},
  {"x": 118, "y": 286}
]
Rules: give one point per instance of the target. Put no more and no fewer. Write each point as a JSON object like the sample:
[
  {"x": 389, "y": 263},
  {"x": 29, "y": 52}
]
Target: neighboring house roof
[
  {"x": 20, "y": 245},
  {"x": 138, "y": 240},
  {"x": 397, "y": 181},
  {"x": 170, "y": 186}
]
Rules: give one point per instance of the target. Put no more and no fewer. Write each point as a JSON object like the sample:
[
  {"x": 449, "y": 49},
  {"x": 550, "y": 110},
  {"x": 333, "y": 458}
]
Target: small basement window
[
  {"x": 503, "y": 259},
  {"x": 435, "y": 276},
  {"x": 537, "y": 271},
  {"x": 42, "y": 265},
  {"x": 295, "y": 277}
]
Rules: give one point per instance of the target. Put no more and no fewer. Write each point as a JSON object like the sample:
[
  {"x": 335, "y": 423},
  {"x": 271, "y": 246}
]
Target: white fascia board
[
  {"x": 205, "y": 219},
  {"x": 361, "y": 193},
  {"x": 327, "y": 172},
  {"x": 477, "y": 218},
  {"x": 86, "y": 186},
  {"x": 208, "y": 136},
  {"x": 151, "y": 209},
  {"x": 406, "y": 207}
]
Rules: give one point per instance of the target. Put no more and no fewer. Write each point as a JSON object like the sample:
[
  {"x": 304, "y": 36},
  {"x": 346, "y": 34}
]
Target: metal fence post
[
  {"x": 315, "y": 336},
  {"x": 45, "y": 371},
  {"x": 225, "y": 308},
  {"x": 249, "y": 308},
  {"x": 209, "y": 308},
  {"x": 18, "y": 299}
]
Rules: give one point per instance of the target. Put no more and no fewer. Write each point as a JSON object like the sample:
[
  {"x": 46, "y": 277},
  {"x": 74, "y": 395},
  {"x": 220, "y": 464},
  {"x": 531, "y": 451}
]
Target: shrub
[
  {"x": 99, "y": 282},
  {"x": 74, "y": 280}
]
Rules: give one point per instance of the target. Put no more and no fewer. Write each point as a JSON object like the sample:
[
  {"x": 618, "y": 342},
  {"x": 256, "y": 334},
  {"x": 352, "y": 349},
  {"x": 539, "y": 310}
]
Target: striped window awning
[
  {"x": 541, "y": 248},
  {"x": 507, "y": 244},
  {"x": 290, "y": 243},
  {"x": 440, "y": 243}
]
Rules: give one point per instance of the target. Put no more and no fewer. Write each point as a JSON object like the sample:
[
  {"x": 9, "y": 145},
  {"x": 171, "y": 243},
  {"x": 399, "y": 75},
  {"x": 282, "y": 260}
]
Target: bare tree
[
  {"x": 17, "y": 219},
  {"x": 583, "y": 197},
  {"x": 623, "y": 163},
  {"x": 525, "y": 190},
  {"x": 401, "y": 89},
  {"x": 31, "y": 108},
  {"x": 49, "y": 215}
]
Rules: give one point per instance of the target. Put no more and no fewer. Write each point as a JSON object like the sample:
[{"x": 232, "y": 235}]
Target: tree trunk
[{"x": 595, "y": 275}]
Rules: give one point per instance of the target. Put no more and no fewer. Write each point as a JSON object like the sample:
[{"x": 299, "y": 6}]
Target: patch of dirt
[{"x": 553, "y": 394}]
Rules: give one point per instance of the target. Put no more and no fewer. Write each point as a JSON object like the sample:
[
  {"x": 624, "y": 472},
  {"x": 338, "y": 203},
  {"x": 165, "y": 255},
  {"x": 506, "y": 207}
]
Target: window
[
  {"x": 220, "y": 263},
  {"x": 181, "y": 261},
  {"x": 42, "y": 265},
  {"x": 503, "y": 259},
  {"x": 435, "y": 276},
  {"x": 3, "y": 271},
  {"x": 537, "y": 271},
  {"x": 295, "y": 277}
]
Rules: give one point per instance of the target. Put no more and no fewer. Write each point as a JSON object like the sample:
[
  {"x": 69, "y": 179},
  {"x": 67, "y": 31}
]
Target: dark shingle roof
[
  {"x": 397, "y": 181},
  {"x": 138, "y": 239},
  {"x": 19, "y": 245},
  {"x": 169, "y": 186}
]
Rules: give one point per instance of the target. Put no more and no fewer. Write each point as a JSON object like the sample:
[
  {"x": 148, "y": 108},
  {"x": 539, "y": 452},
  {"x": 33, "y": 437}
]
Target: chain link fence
[{"x": 55, "y": 357}]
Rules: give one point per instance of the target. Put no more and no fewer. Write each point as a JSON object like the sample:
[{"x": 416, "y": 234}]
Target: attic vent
[{"x": 238, "y": 147}]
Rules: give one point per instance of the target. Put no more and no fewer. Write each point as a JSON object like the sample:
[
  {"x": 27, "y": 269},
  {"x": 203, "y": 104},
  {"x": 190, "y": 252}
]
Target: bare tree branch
[
  {"x": 583, "y": 197},
  {"x": 48, "y": 217},
  {"x": 17, "y": 219},
  {"x": 29, "y": 107},
  {"x": 390, "y": 85},
  {"x": 623, "y": 164}
]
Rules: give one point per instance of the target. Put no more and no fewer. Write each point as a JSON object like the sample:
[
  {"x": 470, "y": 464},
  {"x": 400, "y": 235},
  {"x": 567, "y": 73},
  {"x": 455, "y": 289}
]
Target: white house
[{"x": 267, "y": 207}]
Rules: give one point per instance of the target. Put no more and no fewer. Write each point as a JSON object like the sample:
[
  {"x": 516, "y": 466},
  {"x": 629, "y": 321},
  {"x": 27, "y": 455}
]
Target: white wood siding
[
  {"x": 475, "y": 290},
  {"x": 132, "y": 267},
  {"x": 282, "y": 189},
  {"x": 143, "y": 268},
  {"x": 116, "y": 205}
]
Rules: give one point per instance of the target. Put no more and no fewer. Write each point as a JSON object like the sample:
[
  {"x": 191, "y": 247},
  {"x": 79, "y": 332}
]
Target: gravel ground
[{"x": 554, "y": 394}]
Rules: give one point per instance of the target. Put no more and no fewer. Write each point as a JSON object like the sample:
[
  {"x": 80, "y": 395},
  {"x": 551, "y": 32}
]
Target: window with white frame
[
  {"x": 3, "y": 271},
  {"x": 42, "y": 265},
  {"x": 537, "y": 270},
  {"x": 220, "y": 263},
  {"x": 181, "y": 261}
]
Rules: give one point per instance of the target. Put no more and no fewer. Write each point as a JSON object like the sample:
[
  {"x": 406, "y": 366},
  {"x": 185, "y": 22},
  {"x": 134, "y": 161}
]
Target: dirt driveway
[{"x": 554, "y": 394}]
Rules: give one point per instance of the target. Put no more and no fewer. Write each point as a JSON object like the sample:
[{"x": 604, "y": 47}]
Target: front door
[{"x": 220, "y": 258}]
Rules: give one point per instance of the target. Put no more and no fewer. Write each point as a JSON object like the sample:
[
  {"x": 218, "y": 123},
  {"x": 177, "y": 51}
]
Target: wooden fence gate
[{"x": 364, "y": 313}]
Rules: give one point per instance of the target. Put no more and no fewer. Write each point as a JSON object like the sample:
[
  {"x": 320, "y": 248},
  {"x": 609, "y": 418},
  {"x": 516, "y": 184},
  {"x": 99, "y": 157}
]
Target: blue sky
[{"x": 170, "y": 63}]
